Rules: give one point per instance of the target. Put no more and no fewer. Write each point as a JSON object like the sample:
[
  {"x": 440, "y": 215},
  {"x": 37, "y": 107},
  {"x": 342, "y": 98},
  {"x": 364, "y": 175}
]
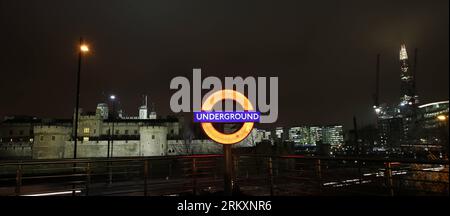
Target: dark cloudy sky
[{"x": 323, "y": 52}]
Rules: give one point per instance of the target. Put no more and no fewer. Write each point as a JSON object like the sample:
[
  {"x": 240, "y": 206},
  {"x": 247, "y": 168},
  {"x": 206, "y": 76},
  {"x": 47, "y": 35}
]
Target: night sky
[{"x": 324, "y": 52}]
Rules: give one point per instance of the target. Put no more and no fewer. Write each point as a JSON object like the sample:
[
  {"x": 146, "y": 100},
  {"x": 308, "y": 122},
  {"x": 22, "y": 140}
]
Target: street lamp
[
  {"x": 111, "y": 147},
  {"x": 113, "y": 100},
  {"x": 82, "y": 50},
  {"x": 442, "y": 117}
]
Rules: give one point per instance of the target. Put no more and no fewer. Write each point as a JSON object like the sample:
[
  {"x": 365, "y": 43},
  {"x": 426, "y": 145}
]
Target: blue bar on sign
[{"x": 237, "y": 116}]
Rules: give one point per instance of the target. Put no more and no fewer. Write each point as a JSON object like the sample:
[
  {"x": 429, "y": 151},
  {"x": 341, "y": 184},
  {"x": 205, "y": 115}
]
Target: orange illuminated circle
[{"x": 221, "y": 137}]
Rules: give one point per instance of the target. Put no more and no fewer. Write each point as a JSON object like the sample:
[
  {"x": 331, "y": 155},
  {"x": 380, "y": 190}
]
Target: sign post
[
  {"x": 248, "y": 116},
  {"x": 228, "y": 170}
]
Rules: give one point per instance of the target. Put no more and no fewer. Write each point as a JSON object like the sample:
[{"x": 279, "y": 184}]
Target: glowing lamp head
[
  {"x": 84, "y": 48},
  {"x": 112, "y": 97},
  {"x": 442, "y": 117},
  {"x": 377, "y": 110}
]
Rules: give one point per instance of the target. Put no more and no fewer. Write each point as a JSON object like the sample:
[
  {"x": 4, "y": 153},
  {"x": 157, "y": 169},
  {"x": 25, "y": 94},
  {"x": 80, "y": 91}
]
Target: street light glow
[
  {"x": 442, "y": 117},
  {"x": 112, "y": 97},
  {"x": 84, "y": 48},
  {"x": 377, "y": 110}
]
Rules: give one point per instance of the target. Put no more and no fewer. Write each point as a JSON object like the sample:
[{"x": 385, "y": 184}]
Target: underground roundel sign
[{"x": 207, "y": 117}]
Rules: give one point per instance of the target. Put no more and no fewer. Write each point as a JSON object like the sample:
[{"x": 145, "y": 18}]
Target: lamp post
[
  {"x": 443, "y": 123},
  {"x": 113, "y": 100},
  {"x": 111, "y": 147},
  {"x": 82, "y": 49}
]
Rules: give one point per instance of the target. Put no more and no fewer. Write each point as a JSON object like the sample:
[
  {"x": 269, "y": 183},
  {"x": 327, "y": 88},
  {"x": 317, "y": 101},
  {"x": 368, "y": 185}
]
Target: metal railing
[{"x": 203, "y": 175}]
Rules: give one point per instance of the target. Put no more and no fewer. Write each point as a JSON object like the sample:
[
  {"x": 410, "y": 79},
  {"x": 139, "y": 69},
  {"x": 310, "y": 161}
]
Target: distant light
[
  {"x": 410, "y": 103},
  {"x": 433, "y": 104},
  {"x": 84, "y": 48},
  {"x": 403, "y": 53},
  {"x": 112, "y": 97},
  {"x": 377, "y": 110},
  {"x": 441, "y": 117},
  {"x": 54, "y": 193}
]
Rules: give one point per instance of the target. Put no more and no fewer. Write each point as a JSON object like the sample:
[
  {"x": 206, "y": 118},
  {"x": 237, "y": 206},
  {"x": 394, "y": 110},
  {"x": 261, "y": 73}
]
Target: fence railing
[{"x": 203, "y": 175}]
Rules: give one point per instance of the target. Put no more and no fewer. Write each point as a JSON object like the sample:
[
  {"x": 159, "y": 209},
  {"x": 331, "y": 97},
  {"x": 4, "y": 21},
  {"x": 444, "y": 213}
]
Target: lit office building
[
  {"x": 432, "y": 115},
  {"x": 314, "y": 135}
]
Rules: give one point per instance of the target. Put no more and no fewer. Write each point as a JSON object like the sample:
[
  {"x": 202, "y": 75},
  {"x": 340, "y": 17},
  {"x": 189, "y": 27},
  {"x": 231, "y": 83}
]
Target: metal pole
[
  {"x": 77, "y": 107},
  {"x": 389, "y": 180},
  {"x": 228, "y": 162},
  {"x": 109, "y": 140},
  {"x": 145, "y": 177},
  {"x": 18, "y": 179},
  {"x": 355, "y": 128},
  {"x": 112, "y": 132},
  {"x": 319, "y": 173},
  {"x": 270, "y": 169},
  {"x": 77, "y": 102},
  {"x": 194, "y": 176},
  {"x": 88, "y": 180},
  {"x": 110, "y": 152}
]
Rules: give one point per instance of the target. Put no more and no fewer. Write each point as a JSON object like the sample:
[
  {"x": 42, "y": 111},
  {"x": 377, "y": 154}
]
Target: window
[
  {"x": 135, "y": 132},
  {"x": 95, "y": 131},
  {"x": 42, "y": 138},
  {"x": 21, "y": 132},
  {"x": 85, "y": 138},
  {"x": 86, "y": 130},
  {"x": 126, "y": 132},
  {"x": 171, "y": 131},
  {"x": 53, "y": 138},
  {"x": 153, "y": 136},
  {"x": 117, "y": 131}
]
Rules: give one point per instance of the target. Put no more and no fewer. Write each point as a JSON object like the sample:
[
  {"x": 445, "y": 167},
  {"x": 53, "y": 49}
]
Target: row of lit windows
[
  {"x": 434, "y": 114},
  {"x": 85, "y": 139},
  {"x": 87, "y": 130},
  {"x": 126, "y": 132},
  {"x": 14, "y": 140}
]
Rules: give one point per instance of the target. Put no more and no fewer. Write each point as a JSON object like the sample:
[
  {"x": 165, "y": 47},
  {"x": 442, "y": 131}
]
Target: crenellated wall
[
  {"x": 183, "y": 147},
  {"x": 14, "y": 150},
  {"x": 93, "y": 149},
  {"x": 49, "y": 141}
]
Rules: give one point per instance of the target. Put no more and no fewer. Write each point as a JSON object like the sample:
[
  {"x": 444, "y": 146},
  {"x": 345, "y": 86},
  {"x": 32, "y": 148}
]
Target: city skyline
[
  {"x": 184, "y": 99},
  {"x": 322, "y": 60}
]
